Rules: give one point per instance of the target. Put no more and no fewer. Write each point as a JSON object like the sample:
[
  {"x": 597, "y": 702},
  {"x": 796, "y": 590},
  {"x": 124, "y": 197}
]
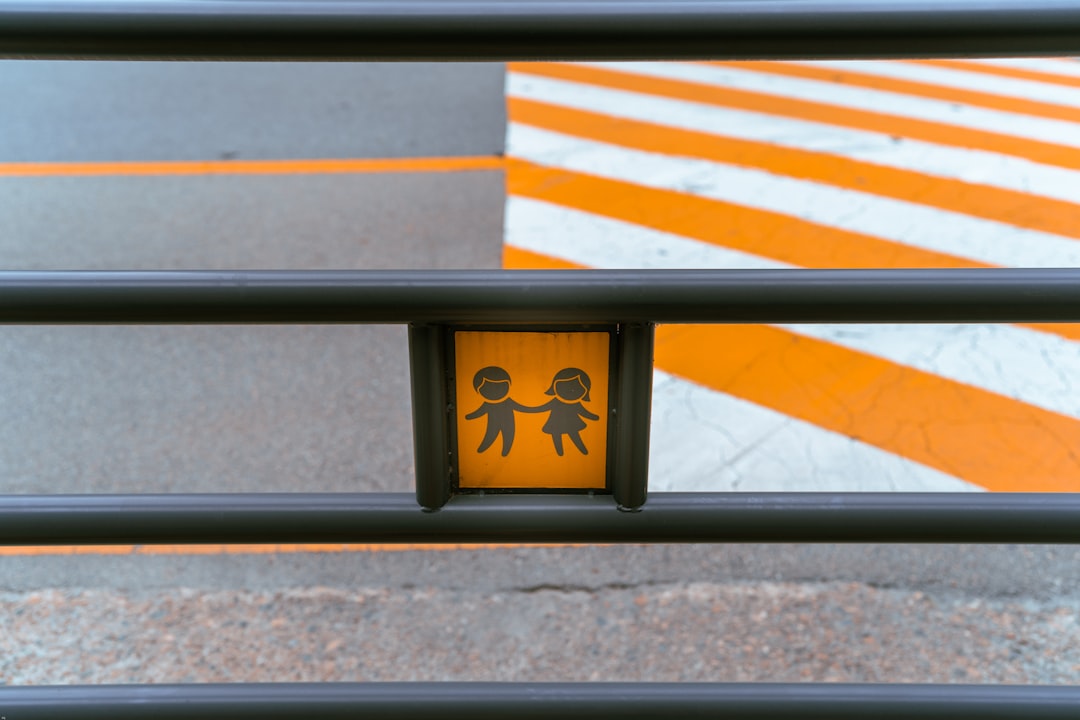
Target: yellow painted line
[
  {"x": 1000, "y": 205},
  {"x": 912, "y": 87},
  {"x": 779, "y": 237},
  {"x": 250, "y": 167},
  {"x": 1002, "y": 71},
  {"x": 273, "y": 549},
  {"x": 927, "y": 131},
  {"x": 987, "y": 439}
]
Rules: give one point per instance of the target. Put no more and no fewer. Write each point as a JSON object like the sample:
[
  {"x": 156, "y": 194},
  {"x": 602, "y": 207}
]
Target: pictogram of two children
[{"x": 570, "y": 387}]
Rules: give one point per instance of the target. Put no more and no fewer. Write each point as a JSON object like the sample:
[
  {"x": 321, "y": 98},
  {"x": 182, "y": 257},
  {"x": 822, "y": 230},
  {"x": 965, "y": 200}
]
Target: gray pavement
[
  {"x": 101, "y": 111},
  {"x": 128, "y": 409},
  {"x": 189, "y": 409},
  {"x": 698, "y": 631},
  {"x": 1043, "y": 573}
]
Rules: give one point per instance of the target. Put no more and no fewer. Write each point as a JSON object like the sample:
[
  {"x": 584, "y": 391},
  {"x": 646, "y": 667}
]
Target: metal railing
[
  {"x": 542, "y": 296},
  {"x": 535, "y": 29},
  {"x": 412, "y": 29},
  {"x": 572, "y": 701}
]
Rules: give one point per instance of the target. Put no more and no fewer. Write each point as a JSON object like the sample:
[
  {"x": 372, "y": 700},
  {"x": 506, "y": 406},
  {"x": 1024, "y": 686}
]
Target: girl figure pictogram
[
  {"x": 570, "y": 386},
  {"x": 493, "y": 384}
]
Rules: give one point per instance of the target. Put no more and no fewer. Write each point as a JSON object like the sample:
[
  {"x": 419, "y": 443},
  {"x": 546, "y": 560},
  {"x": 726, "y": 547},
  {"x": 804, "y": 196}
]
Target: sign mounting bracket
[{"x": 531, "y": 408}]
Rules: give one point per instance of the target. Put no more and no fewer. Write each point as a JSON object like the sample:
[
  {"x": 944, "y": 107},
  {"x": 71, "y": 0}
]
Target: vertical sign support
[
  {"x": 633, "y": 411},
  {"x": 531, "y": 409},
  {"x": 431, "y": 415}
]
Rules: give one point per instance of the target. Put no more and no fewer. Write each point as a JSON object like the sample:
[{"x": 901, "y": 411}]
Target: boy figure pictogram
[
  {"x": 493, "y": 384},
  {"x": 569, "y": 386}
]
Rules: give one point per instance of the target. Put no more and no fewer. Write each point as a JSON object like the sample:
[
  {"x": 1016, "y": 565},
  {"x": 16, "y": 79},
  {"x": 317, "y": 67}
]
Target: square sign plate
[{"x": 532, "y": 409}]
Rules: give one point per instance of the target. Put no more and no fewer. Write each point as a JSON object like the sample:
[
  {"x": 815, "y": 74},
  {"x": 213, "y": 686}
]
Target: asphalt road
[
  {"x": 119, "y": 409},
  {"x": 129, "y": 409}
]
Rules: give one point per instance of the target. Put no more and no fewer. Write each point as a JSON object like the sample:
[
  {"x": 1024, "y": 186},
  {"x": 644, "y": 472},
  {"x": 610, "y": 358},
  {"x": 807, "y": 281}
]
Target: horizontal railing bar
[
  {"x": 535, "y": 29},
  {"x": 566, "y": 296},
  {"x": 532, "y": 701},
  {"x": 666, "y": 517}
]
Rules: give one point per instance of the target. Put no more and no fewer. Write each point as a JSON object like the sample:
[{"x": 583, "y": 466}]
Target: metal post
[
  {"x": 431, "y": 415},
  {"x": 630, "y": 479}
]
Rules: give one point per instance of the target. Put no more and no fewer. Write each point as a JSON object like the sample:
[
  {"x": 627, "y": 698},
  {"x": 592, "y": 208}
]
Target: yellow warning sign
[{"x": 532, "y": 409}]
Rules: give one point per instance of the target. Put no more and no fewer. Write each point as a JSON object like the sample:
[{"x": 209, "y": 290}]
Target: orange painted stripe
[
  {"x": 986, "y": 439},
  {"x": 783, "y": 238},
  {"x": 44, "y": 550},
  {"x": 868, "y": 81},
  {"x": 924, "y": 130},
  {"x": 515, "y": 258},
  {"x": 1002, "y": 71},
  {"x": 767, "y": 234},
  {"x": 1000, "y": 205},
  {"x": 251, "y": 167}
]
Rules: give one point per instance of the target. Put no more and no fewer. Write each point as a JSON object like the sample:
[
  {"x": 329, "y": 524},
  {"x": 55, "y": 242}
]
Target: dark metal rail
[
  {"x": 535, "y": 29},
  {"x": 567, "y": 701},
  {"x": 571, "y": 296},
  {"x": 666, "y": 517}
]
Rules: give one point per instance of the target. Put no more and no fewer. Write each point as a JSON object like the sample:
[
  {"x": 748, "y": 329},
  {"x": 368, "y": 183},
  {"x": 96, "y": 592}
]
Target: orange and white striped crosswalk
[{"x": 821, "y": 165}]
